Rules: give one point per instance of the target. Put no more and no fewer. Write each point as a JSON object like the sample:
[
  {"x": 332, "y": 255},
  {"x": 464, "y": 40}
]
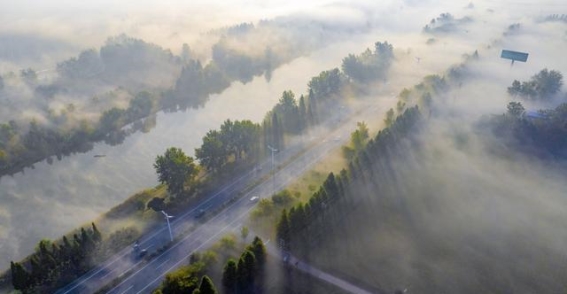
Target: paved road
[
  {"x": 143, "y": 276},
  {"x": 315, "y": 272}
]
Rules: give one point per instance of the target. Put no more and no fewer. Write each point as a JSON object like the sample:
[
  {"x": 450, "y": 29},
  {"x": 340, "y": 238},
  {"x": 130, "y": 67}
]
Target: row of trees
[
  {"x": 244, "y": 139},
  {"x": 369, "y": 65},
  {"x": 56, "y": 263},
  {"x": 542, "y": 86},
  {"x": 290, "y": 116},
  {"x": 235, "y": 140},
  {"x": 113, "y": 63},
  {"x": 18, "y": 150},
  {"x": 305, "y": 224},
  {"x": 543, "y": 133},
  {"x": 245, "y": 275}
]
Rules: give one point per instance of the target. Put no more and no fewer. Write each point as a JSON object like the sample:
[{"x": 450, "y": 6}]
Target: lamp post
[
  {"x": 167, "y": 217},
  {"x": 274, "y": 150}
]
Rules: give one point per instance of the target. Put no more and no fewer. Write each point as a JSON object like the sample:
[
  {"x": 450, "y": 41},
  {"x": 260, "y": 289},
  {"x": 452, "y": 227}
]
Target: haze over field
[{"x": 466, "y": 195}]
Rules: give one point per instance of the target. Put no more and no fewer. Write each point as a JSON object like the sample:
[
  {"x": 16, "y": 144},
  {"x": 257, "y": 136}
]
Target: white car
[{"x": 254, "y": 199}]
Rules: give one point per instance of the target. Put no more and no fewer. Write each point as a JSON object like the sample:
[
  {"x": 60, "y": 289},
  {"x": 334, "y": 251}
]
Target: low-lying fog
[{"x": 40, "y": 34}]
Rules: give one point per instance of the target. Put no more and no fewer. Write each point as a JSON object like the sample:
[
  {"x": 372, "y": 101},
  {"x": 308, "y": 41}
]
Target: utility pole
[
  {"x": 274, "y": 150},
  {"x": 167, "y": 217}
]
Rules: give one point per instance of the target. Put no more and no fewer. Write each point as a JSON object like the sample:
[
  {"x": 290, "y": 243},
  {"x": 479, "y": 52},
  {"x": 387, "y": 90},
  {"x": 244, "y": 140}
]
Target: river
[{"x": 51, "y": 199}]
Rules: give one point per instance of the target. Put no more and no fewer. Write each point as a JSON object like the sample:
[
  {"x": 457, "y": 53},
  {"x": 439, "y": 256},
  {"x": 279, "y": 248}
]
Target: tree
[
  {"x": 302, "y": 113},
  {"x": 207, "y": 286},
  {"x": 157, "y": 204},
  {"x": 174, "y": 168},
  {"x": 288, "y": 111},
  {"x": 326, "y": 83},
  {"x": 140, "y": 106},
  {"x": 515, "y": 109},
  {"x": 548, "y": 83},
  {"x": 389, "y": 117},
  {"x": 282, "y": 231},
  {"x": 257, "y": 247},
  {"x": 276, "y": 132},
  {"x": 185, "y": 53},
  {"x": 543, "y": 85},
  {"x": 244, "y": 232},
  {"x": 212, "y": 154},
  {"x": 97, "y": 236},
  {"x": 20, "y": 277},
  {"x": 245, "y": 272},
  {"x": 229, "y": 277}
]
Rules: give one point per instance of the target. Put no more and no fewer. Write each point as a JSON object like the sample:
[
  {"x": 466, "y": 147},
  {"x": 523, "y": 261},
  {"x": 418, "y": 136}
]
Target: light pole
[
  {"x": 274, "y": 150},
  {"x": 167, "y": 217}
]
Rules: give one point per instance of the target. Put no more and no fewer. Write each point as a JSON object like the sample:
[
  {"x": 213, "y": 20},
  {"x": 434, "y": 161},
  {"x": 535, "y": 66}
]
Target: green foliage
[
  {"x": 369, "y": 65},
  {"x": 123, "y": 54},
  {"x": 207, "y": 286},
  {"x": 183, "y": 280},
  {"x": 229, "y": 277},
  {"x": 328, "y": 83},
  {"x": 306, "y": 223},
  {"x": 141, "y": 106},
  {"x": 245, "y": 272},
  {"x": 28, "y": 75},
  {"x": 87, "y": 65},
  {"x": 20, "y": 276},
  {"x": 174, "y": 168},
  {"x": 515, "y": 109},
  {"x": 288, "y": 111},
  {"x": 542, "y": 86},
  {"x": 212, "y": 154},
  {"x": 234, "y": 140},
  {"x": 389, "y": 117},
  {"x": 157, "y": 204},
  {"x": 283, "y": 231},
  {"x": 53, "y": 264},
  {"x": 358, "y": 140},
  {"x": 282, "y": 198},
  {"x": 259, "y": 250},
  {"x": 244, "y": 232},
  {"x": 541, "y": 134}
]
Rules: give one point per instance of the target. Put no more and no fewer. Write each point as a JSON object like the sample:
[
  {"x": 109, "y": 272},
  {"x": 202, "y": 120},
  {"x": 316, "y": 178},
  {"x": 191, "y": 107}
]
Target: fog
[{"x": 462, "y": 211}]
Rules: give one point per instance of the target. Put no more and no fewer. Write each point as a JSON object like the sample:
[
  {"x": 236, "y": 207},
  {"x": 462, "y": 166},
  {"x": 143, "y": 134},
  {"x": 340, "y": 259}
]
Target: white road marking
[
  {"x": 161, "y": 264},
  {"x": 128, "y": 289}
]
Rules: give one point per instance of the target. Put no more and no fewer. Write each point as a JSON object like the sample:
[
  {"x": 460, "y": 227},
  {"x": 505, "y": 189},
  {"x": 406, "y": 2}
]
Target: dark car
[{"x": 200, "y": 213}]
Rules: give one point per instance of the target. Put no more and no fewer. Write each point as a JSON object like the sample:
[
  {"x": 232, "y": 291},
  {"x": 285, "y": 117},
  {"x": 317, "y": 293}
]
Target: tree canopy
[
  {"x": 542, "y": 86},
  {"x": 174, "y": 168}
]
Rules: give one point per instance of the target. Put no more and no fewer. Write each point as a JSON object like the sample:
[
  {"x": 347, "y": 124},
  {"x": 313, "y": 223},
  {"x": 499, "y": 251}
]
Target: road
[
  {"x": 301, "y": 265},
  {"x": 194, "y": 234}
]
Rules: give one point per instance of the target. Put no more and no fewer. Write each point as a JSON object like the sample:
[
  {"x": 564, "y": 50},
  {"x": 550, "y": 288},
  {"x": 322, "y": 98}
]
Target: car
[
  {"x": 143, "y": 253},
  {"x": 254, "y": 199},
  {"x": 200, "y": 213}
]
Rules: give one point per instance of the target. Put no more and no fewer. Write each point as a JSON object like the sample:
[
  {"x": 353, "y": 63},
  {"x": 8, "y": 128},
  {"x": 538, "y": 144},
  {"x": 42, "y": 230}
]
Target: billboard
[{"x": 514, "y": 55}]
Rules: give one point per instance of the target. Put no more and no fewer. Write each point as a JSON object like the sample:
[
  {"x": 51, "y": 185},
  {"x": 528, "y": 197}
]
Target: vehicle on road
[
  {"x": 254, "y": 199},
  {"x": 200, "y": 213}
]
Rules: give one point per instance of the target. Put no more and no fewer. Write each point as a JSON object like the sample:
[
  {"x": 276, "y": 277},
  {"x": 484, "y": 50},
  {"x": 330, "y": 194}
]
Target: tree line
[
  {"x": 22, "y": 146},
  {"x": 245, "y": 275},
  {"x": 542, "y": 133},
  {"x": 56, "y": 263},
  {"x": 236, "y": 142},
  {"x": 305, "y": 224},
  {"x": 542, "y": 86}
]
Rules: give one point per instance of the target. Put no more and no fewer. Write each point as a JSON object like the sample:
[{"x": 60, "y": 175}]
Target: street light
[
  {"x": 167, "y": 217},
  {"x": 274, "y": 150}
]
